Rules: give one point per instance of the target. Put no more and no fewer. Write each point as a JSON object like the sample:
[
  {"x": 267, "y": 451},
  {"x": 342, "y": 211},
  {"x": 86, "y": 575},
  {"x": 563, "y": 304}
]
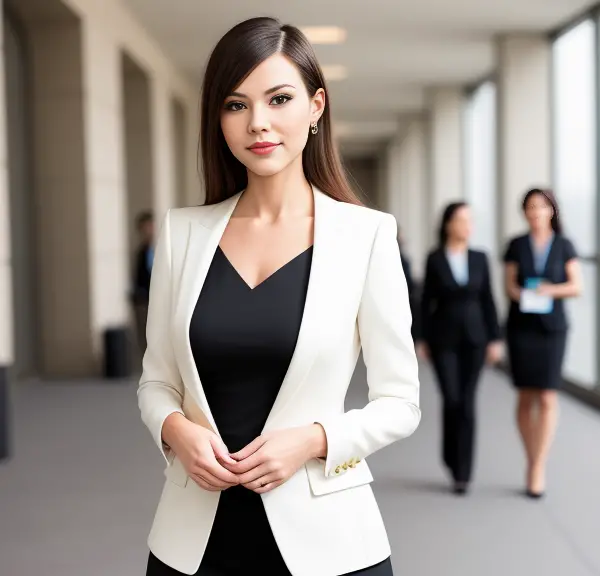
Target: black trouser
[{"x": 458, "y": 369}]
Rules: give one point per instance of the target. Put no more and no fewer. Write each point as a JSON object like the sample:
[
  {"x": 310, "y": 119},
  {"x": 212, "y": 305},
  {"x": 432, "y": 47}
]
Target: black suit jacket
[
  {"x": 141, "y": 276},
  {"x": 451, "y": 312},
  {"x": 520, "y": 253}
]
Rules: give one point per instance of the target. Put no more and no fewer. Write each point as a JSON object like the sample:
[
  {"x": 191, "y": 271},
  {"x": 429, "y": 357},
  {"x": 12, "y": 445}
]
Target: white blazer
[{"x": 324, "y": 518}]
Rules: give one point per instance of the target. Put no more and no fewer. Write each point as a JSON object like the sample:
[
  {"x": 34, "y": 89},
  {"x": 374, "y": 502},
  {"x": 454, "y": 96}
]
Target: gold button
[
  {"x": 352, "y": 464},
  {"x": 337, "y": 470},
  {"x": 357, "y": 460},
  {"x": 345, "y": 466}
]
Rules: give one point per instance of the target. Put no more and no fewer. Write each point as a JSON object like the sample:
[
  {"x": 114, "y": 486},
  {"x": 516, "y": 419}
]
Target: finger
[
  {"x": 204, "y": 484},
  {"x": 250, "y": 463},
  {"x": 220, "y": 472},
  {"x": 268, "y": 487},
  {"x": 250, "y": 449},
  {"x": 213, "y": 480},
  {"x": 255, "y": 475},
  {"x": 261, "y": 481},
  {"x": 220, "y": 450}
]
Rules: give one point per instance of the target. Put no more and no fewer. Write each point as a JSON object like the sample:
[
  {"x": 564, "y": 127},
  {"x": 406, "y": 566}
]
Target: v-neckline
[{"x": 271, "y": 275}]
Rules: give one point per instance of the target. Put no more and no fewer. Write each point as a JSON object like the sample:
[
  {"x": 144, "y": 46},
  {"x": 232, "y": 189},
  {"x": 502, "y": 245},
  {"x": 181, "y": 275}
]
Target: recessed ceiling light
[
  {"x": 325, "y": 34},
  {"x": 335, "y": 72}
]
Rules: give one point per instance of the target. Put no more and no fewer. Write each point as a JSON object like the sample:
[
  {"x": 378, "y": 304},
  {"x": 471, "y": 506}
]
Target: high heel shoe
[
  {"x": 460, "y": 488},
  {"x": 534, "y": 495}
]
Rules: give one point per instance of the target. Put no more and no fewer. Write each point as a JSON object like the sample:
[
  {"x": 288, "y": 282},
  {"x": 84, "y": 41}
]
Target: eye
[
  {"x": 280, "y": 99},
  {"x": 234, "y": 106}
]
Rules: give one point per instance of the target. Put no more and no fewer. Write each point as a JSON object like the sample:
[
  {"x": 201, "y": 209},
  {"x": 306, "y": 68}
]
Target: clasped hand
[{"x": 264, "y": 464}]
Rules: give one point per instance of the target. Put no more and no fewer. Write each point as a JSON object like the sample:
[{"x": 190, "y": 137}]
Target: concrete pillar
[
  {"x": 446, "y": 151},
  {"x": 415, "y": 223},
  {"x": 6, "y": 308},
  {"x": 163, "y": 148},
  {"x": 105, "y": 183},
  {"x": 524, "y": 124}
]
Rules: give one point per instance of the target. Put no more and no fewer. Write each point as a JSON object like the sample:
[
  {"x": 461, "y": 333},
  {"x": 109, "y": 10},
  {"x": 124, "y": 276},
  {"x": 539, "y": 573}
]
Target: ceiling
[{"x": 394, "y": 51}]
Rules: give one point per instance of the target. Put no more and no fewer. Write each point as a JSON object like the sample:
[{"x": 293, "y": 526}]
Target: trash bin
[{"x": 117, "y": 359}]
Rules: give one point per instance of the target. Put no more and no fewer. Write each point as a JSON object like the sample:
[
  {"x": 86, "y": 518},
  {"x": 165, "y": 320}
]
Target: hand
[
  {"x": 201, "y": 452},
  {"x": 422, "y": 351},
  {"x": 545, "y": 289},
  {"x": 494, "y": 353},
  {"x": 274, "y": 457}
]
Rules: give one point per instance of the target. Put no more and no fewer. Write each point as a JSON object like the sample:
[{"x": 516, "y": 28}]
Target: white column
[
  {"x": 403, "y": 170},
  {"x": 446, "y": 151},
  {"x": 524, "y": 64},
  {"x": 105, "y": 180},
  {"x": 416, "y": 228},
  {"x": 163, "y": 147},
  {"x": 6, "y": 308}
]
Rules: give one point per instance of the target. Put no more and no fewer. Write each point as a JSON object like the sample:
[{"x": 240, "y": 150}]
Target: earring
[{"x": 314, "y": 128}]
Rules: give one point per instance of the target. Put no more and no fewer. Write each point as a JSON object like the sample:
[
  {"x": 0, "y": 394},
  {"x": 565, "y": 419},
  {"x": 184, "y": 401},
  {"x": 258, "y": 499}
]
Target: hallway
[{"x": 78, "y": 497}]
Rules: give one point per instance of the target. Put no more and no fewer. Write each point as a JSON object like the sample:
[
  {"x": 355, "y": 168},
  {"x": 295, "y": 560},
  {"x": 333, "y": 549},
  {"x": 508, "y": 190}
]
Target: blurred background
[{"x": 433, "y": 101}]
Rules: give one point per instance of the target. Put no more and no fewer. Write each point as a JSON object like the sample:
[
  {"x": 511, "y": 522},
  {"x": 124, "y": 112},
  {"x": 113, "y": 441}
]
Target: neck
[
  {"x": 284, "y": 194},
  {"x": 542, "y": 234},
  {"x": 456, "y": 245}
]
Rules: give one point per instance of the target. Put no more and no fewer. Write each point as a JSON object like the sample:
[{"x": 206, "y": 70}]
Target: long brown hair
[
  {"x": 547, "y": 195},
  {"x": 235, "y": 56}
]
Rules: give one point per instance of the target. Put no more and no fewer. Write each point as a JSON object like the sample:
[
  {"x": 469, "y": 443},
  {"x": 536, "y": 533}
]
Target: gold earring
[{"x": 314, "y": 128}]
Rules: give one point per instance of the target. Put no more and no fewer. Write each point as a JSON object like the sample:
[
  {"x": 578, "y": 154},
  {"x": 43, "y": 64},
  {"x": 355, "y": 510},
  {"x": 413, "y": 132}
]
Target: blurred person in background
[
  {"x": 142, "y": 270},
  {"x": 459, "y": 331},
  {"x": 541, "y": 270},
  {"x": 259, "y": 304}
]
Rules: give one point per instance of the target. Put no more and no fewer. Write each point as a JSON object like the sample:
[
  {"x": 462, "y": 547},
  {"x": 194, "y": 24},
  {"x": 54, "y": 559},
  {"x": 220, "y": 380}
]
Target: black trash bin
[{"x": 117, "y": 357}]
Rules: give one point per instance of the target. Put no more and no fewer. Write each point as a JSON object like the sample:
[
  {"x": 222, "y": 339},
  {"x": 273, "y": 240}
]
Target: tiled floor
[{"x": 78, "y": 496}]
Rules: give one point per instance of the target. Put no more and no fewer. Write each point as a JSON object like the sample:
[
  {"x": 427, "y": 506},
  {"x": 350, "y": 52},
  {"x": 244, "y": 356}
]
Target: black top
[
  {"x": 520, "y": 252},
  {"x": 450, "y": 311},
  {"x": 243, "y": 340}
]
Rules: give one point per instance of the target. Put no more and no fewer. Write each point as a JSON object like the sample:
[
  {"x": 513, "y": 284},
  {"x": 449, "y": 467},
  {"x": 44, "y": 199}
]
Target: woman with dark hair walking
[
  {"x": 459, "y": 330},
  {"x": 259, "y": 304},
  {"x": 541, "y": 271}
]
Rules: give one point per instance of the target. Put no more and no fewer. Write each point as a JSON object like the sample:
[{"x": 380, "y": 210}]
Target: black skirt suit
[{"x": 537, "y": 342}]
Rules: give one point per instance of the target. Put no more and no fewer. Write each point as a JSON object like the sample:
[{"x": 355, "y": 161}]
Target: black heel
[{"x": 534, "y": 495}]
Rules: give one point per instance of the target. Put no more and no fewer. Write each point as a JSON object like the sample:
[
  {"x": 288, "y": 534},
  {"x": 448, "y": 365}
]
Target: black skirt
[{"x": 536, "y": 358}]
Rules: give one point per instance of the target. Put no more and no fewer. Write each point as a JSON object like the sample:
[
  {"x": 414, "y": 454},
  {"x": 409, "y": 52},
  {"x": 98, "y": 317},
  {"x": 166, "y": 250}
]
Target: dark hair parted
[
  {"x": 234, "y": 57},
  {"x": 447, "y": 216},
  {"x": 549, "y": 197}
]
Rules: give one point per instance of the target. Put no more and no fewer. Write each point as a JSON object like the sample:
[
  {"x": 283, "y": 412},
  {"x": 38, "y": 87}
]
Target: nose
[{"x": 259, "y": 120}]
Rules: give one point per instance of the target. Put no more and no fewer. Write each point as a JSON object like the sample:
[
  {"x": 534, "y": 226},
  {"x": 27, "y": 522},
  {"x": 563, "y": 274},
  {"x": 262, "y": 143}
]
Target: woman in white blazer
[{"x": 260, "y": 302}]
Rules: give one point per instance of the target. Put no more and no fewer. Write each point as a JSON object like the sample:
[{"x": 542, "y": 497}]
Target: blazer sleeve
[
  {"x": 384, "y": 322},
  {"x": 160, "y": 390},
  {"x": 490, "y": 314}
]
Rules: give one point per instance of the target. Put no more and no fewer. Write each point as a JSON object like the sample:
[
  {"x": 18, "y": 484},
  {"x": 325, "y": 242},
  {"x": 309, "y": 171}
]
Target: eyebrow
[{"x": 267, "y": 92}]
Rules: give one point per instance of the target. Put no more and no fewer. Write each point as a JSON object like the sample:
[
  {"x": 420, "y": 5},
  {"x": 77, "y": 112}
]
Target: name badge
[{"x": 533, "y": 303}]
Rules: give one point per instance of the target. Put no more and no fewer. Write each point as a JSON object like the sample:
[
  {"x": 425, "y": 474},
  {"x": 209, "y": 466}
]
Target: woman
[
  {"x": 259, "y": 303},
  {"x": 541, "y": 271},
  {"x": 459, "y": 330}
]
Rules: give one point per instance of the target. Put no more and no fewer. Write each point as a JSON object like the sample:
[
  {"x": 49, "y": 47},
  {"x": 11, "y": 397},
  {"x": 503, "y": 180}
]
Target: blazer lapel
[
  {"x": 203, "y": 239},
  {"x": 320, "y": 289}
]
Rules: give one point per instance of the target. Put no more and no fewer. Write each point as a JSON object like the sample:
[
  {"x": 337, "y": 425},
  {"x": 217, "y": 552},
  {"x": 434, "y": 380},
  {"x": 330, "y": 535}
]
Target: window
[{"x": 575, "y": 183}]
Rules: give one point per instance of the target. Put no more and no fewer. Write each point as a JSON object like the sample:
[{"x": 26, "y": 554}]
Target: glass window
[
  {"x": 574, "y": 121},
  {"x": 580, "y": 360},
  {"x": 480, "y": 165}
]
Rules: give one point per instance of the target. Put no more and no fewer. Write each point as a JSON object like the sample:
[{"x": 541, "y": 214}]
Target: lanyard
[{"x": 540, "y": 257}]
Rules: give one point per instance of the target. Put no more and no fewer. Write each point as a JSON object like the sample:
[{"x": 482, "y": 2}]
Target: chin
[{"x": 265, "y": 167}]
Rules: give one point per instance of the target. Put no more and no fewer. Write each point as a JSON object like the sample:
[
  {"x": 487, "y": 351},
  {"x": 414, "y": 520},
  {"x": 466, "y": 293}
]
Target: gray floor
[{"x": 79, "y": 494}]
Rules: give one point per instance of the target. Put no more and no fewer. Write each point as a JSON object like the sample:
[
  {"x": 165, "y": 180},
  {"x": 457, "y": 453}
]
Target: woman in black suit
[
  {"x": 459, "y": 329},
  {"x": 541, "y": 271}
]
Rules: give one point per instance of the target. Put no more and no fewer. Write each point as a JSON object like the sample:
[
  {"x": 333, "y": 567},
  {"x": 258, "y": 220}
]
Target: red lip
[{"x": 259, "y": 145}]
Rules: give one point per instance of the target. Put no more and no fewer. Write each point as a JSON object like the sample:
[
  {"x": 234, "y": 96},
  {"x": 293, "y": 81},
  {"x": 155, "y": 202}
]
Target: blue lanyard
[{"x": 540, "y": 257}]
